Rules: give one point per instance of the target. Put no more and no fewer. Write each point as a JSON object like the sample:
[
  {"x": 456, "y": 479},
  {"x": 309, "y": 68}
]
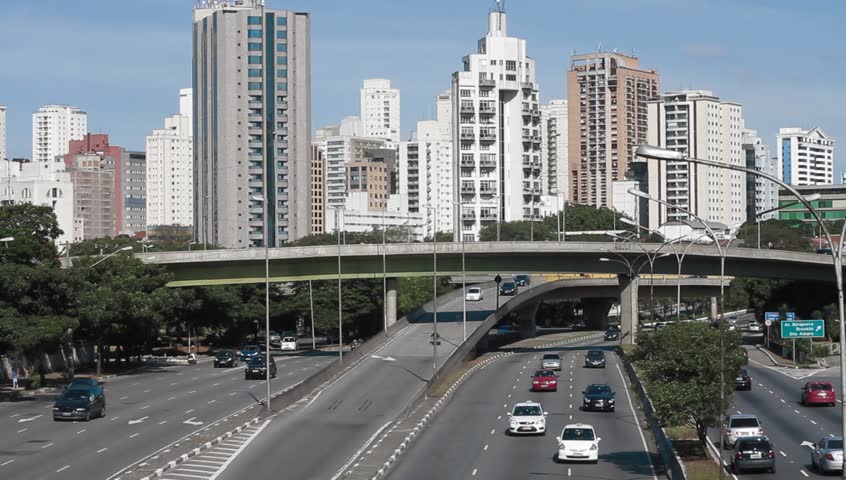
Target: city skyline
[{"x": 157, "y": 57}]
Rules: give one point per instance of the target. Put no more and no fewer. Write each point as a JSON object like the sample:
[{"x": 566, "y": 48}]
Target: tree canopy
[
  {"x": 680, "y": 366},
  {"x": 34, "y": 229}
]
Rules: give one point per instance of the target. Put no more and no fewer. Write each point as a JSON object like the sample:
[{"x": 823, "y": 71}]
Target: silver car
[
  {"x": 827, "y": 455},
  {"x": 551, "y": 361},
  {"x": 738, "y": 426}
]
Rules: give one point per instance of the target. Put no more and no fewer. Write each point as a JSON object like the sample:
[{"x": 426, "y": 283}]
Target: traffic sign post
[{"x": 802, "y": 328}]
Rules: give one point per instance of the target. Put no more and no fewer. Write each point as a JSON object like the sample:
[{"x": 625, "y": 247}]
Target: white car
[
  {"x": 578, "y": 442},
  {"x": 755, "y": 327},
  {"x": 527, "y": 417},
  {"x": 289, "y": 344},
  {"x": 737, "y": 426},
  {"x": 474, "y": 294},
  {"x": 551, "y": 361}
]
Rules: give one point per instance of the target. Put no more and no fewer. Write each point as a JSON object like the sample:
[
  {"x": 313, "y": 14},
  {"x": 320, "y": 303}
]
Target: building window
[
  {"x": 281, "y": 34},
  {"x": 253, "y": 20},
  {"x": 281, "y": 60},
  {"x": 511, "y": 65},
  {"x": 465, "y": 93},
  {"x": 255, "y": 72},
  {"x": 254, "y": 59},
  {"x": 281, "y": 20},
  {"x": 254, "y": 86},
  {"x": 282, "y": 86},
  {"x": 253, "y": 33},
  {"x": 282, "y": 73},
  {"x": 282, "y": 47},
  {"x": 254, "y": 47}
]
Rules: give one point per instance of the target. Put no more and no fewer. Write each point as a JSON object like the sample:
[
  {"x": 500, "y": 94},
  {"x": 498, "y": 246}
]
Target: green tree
[
  {"x": 680, "y": 366},
  {"x": 791, "y": 235},
  {"x": 34, "y": 229},
  {"x": 414, "y": 292},
  {"x": 576, "y": 218}
]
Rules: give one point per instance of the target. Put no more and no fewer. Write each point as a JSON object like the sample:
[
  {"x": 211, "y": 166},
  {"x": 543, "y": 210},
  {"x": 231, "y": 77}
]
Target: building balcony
[
  {"x": 487, "y": 137},
  {"x": 487, "y": 110},
  {"x": 467, "y": 136},
  {"x": 487, "y": 190},
  {"x": 487, "y": 217},
  {"x": 468, "y": 189},
  {"x": 467, "y": 109},
  {"x": 487, "y": 83},
  {"x": 487, "y": 164},
  {"x": 468, "y": 163},
  {"x": 468, "y": 216}
]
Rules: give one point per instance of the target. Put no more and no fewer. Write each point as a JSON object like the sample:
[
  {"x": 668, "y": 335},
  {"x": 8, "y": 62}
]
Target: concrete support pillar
[
  {"x": 629, "y": 311},
  {"x": 714, "y": 309},
  {"x": 528, "y": 320},
  {"x": 392, "y": 285},
  {"x": 595, "y": 312}
]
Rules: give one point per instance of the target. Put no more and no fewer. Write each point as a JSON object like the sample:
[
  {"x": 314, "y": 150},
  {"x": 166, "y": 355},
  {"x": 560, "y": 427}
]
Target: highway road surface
[
  {"x": 467, "y": 439},
  {"x": 145, "y": 412}
]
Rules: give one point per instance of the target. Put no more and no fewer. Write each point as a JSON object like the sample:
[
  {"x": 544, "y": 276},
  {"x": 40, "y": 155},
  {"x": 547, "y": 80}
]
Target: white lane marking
[
  {"x": 797, "y": 411},
  {"x": 172, "y": 384},
  {"x": 146, "y": 391},
  {"x": 233, "y": 393},
  {"x": 212, "y": 401},
  {"x": 782, "y": 400},
  {"x": 492, "y": 431},
  {"x": 24, "y": 420},
  {"x": 63, "y": 468},
  {"x": 486, "y": 447},
  {"x": 102, "y": 450},
  {"x": 171, "y": 398},
  {"x": 6, "y": 463},
  {"x": 782, "y": 453},
  {"x": 258, "y": 431},
  {"x": 133, "y": 435},
  {"x": 803, "y": 472},
  {"x": 15, "y": 415},
  {"x": 569, "y": 472},
  {"x": 193, "y": 391},
  {"x": 22, "y": 430},
  {"x": 123, "y": 398},
  {"x": 474, "y": 471},
  {"x": 360, "y": 450},
  {"x": 232, "y": 369},
  {"x": 81, "y": 431},
  {"x": 813, "y": 422},
  {"x": 45, "y": 446},
  {"x": 145, "y": 407},
  {"x": 637, "y": 422},
  {"x": 189, "y": 411},
  {"x": 162, "y": 422}
]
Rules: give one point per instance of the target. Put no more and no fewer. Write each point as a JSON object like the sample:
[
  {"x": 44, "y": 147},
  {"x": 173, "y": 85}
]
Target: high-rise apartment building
[
  {"x": 53, "y": 127},
  {"x": 94, "y": 199},
  {"x": 318, "y": 190},
  {"x": 426, "y": 176},
  {"x": 761, "y": 194},
  {"x": 340, "y": 152},
  {"x": 380, "y": 110},
  {"x": 496, "y": 133},
  {"x": 699, "y": 125},
  {"x": 133, "y": 190},
  {"x": 554, "y": 158},
  {"x": 170, "y": 169},
  {"x": 806, "y": 156},
  {"x": 252, "y": 124},
  {"x": 2, "y": 132},
  {"x": 607, "y": 93}
]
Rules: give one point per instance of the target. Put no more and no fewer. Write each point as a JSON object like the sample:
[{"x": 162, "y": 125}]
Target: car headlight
[
  {"x": 611, "y": 401},
  {"x": 513, "y": 424},
  {"x": 81, "y": 409},
  {"x": 55, "y": 409},
  {"x": 593, "y": 447}
]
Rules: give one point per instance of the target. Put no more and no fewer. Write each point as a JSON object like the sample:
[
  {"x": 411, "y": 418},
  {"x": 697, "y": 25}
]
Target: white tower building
[
  {"x": 806, "y": 156},
  {"x": 554, "y": 158},
  {"x": 699, "y": 125},
  {"x": 380, "y": 109},
  {"x": 53, "y": 126},
  {"x": 170, "y": 169},
  {"x": 761, "y": 194},
  {"x": 496, "y": 132},
  {"x": 426, "y": 170},
  {"x": 2, "y": 132}
]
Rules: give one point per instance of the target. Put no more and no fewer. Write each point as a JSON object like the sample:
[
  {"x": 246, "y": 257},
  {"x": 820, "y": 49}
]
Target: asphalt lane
[
  {"x": 318, "y": 440},
  {"x": 163, "y": 406},
  {"x": 774, "y": 399},
  {"x": 467, "y": 439}
]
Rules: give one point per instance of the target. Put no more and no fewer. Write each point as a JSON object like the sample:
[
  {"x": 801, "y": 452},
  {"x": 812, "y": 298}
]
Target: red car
[
  {"x": 544, "y": 380},
  {"x": 817, "y": 393}
]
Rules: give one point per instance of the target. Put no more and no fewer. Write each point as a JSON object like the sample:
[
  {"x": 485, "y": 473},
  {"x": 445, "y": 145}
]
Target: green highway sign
[{"x": 802, "y": 328}]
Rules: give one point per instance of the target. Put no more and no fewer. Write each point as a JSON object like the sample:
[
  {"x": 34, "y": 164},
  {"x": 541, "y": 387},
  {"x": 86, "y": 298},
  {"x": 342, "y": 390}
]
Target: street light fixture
[
  {"x": 338, "y": 209},
  {"x": 189, "y": 245},
  {"x": 6, "y": 241},
  {"x": 260, "y": 198},
  {"x": 122, "y": 249},
  {"x": 435, "y": 339},
  {"x": 463, "y": 270}
]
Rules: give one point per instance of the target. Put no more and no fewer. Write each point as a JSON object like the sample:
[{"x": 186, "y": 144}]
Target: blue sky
[{"x": 123, "y": 61}]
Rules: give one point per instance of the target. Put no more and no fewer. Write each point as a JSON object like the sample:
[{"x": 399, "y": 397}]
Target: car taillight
[
  {"x": 760, "y": 431},
  {"x": 535, "y": 382},
  {"x": 739, "y": 455},
  {"x": 553, "y": 381},
  {"x": 829, "y": 456},
  {"x": 771, "y": 454}
]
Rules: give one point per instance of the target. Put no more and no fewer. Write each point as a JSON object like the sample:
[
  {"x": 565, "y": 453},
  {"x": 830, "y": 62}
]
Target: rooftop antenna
[{"x": 500, "y": 6}]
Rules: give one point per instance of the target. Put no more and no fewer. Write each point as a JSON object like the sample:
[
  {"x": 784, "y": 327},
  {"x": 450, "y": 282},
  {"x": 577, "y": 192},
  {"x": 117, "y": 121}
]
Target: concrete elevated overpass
[{"x": 216, "y": 267}]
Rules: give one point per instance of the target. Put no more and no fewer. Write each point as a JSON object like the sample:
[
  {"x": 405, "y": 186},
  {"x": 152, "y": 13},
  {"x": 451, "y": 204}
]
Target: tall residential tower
[
  {"x": 53, "y": 127},
  {"x": 607, "y": 94},
  {"x": 806, "y": 156},
  {"x": 496, "y": 133},
  {"x": 380, "y": 110},
  {"x": 252, "y": 124}
]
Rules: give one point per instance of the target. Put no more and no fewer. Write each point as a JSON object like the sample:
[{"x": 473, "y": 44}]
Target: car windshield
[
  {"x": 527, "y": 410},
  {"x": 577, "y": 434},
  {"x": 289, "y": 339},
  {"x": 595, "y": 354},
  {"x": 508, "y": 285},
  {"x": 257, "y": 361},
  {"x": 743, "y": 422},
  {"x": 521, "y": 277},
  {"x": 742, "y": 373},
  {"x": 551, "y": 356},
  {"x": 760, "y": 445},
  {"x": 598, "y": 390},
  {"x": 224, "y": 354},
  {"x": 474, "y": 290},
  {"x": 544, "y": 373},
  {"x": 76, "y": 394},
  {"x": 835, "y": 444},
  {"x": 250, "y": 348},
  {"x": 821, "y": 386}
]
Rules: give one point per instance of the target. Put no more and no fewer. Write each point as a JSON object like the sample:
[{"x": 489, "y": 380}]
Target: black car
[
  {"x": 249, "y": 351},
  {"x": 743, "y": 381},
  {"x": 598, "y": 397},
  {"x": 753, "y": 453},
  {"x": 508, "y": 288},
  {"x": 522, "y": 280},
  {"x": 595, "y": 359},
  {"x": 225, "y": 358},
  {"x": 80, "y": 403},
  {"x": 256, "y": 368},
  {"x": 82, "y": 383},
  {"x": 612, "y": 334}
]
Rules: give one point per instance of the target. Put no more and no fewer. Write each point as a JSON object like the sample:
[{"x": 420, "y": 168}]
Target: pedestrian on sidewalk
[{"x": 15, "y": 377}]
